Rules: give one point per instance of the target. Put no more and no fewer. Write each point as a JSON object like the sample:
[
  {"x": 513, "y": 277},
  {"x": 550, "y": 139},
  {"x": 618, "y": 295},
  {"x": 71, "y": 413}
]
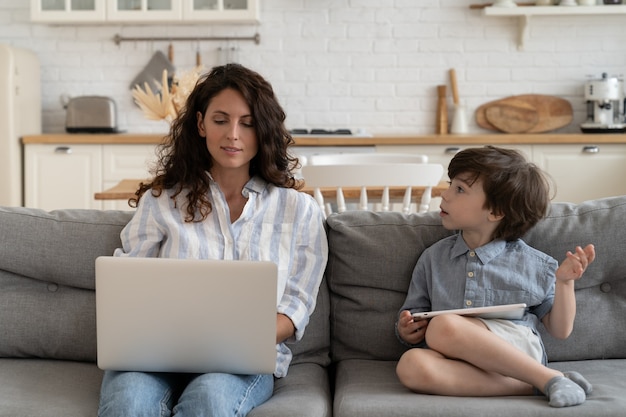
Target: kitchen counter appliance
[
  {"x": 91, "y": 114},
  {"x": 605, "y": 106}
]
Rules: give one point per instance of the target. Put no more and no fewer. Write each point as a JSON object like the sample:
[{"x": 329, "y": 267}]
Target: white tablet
[{"x": 507, "y": 311}]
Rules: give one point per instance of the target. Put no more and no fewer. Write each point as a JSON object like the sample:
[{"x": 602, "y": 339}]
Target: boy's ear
[{"x": 495, "y": 217}]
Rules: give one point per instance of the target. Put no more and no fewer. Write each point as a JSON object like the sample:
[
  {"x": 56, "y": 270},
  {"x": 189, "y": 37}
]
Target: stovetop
[{"x": 327, "y": 132}]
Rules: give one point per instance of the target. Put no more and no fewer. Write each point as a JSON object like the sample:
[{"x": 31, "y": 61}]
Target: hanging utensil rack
[{"x": 119, "y": 39}]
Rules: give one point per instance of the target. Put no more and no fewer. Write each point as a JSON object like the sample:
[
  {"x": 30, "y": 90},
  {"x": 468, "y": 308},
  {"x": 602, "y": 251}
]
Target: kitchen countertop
[{"x": 338, "y": 140}]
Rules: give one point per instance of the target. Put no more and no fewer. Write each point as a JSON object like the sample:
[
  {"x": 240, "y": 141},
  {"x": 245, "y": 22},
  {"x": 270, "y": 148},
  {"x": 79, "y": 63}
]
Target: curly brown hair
[
  {"x": 184, "y": 160},
  {"x": 514, "y": 187}
]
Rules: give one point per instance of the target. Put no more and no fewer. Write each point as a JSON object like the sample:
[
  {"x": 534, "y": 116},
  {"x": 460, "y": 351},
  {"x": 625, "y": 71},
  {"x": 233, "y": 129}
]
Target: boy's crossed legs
[{"x": 467, "y": 359}]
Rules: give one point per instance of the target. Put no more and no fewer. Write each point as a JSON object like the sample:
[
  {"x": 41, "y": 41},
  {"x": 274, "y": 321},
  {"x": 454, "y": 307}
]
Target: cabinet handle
[
  {"x": 591, "y": 149},
  {"x": 67, "y": 150},
  {"x": 452, "y": 150}
]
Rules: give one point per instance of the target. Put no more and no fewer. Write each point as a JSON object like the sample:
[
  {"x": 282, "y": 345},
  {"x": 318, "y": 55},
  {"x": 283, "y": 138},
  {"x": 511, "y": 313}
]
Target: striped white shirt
[{"x": 277, "y": 224}]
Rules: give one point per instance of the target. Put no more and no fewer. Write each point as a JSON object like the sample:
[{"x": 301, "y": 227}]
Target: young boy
[{"x": 495, "y": 197}]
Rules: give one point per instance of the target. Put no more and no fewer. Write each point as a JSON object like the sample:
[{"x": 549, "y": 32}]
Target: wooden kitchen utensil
[
  {"x": 459, "y": 119},
  {"x": 442, "y": 111},
  {"x": 454, "y": 86},
  {"x": 515, "y": 114},
  {"x": 512, "y": 118},
  {"x": 517, "y": 109}
]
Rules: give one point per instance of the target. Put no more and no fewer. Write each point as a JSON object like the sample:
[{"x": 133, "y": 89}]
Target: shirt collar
[
  {"x": 484, "y": 253},
  {"x": 256, "y": 184}
]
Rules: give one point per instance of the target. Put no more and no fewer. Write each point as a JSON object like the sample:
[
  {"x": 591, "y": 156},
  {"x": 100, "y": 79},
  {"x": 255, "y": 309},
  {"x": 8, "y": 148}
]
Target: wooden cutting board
[{"x": 527, "y": 113}]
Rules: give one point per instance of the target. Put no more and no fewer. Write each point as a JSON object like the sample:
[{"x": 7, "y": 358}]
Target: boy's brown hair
[{"x": 515, "y": 188}]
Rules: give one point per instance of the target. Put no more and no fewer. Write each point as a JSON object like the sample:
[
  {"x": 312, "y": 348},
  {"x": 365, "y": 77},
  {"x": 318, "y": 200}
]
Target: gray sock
[
  {"x": 563, "y": 392},
  {"x": 580, "y": 380}
]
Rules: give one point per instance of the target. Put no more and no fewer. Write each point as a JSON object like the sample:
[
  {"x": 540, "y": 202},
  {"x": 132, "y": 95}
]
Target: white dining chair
[
  {"x": 363, "y": 171},
  {"x": 366, "y": 158}
]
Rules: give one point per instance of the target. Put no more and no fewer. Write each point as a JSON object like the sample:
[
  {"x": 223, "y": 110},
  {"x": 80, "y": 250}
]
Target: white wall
[{"x": 371, "y": 64}]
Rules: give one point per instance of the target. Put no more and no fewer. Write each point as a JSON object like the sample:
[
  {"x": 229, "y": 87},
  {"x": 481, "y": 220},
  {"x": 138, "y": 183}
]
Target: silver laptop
[{"x": 184, "y": 315}]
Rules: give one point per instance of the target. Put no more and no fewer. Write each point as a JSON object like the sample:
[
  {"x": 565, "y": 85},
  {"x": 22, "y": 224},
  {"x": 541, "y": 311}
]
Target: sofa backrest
[
  {"x": 47, "y": 281},
  {"x": 372, "y": 256},
  {"x": 371, "y": 259},
  {"x": 47, "y": 303},
  {"x": 599, "y": 330}
]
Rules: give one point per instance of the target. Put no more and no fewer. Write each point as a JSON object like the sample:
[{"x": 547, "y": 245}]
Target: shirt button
[
  {"x": 470, "y": 274},
  {"x": 472, "y": 254},
  {"x": 468, "y": 303}
]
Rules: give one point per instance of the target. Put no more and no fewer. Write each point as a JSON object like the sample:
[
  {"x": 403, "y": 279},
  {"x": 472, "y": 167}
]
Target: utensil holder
[{"x": 459, "y": 120}]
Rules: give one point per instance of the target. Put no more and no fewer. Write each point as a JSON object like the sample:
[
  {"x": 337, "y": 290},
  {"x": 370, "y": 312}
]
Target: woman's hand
[
  {"x": 411, "y": 331},
  {"x": 284, "y": 328}
]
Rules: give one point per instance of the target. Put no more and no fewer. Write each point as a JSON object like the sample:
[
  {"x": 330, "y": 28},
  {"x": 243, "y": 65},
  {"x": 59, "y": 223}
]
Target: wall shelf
[{"x": 524, "y": 14}]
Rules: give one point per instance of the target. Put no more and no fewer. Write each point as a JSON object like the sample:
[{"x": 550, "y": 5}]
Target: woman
[{"x": 224, "y": 189}]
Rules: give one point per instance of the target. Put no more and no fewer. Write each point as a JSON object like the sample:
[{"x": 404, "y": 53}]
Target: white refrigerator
[{"x": 20, "y": 114}]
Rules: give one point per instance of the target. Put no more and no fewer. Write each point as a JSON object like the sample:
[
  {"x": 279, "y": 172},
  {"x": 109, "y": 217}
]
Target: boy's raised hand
[{"x": 575, "y": 264}]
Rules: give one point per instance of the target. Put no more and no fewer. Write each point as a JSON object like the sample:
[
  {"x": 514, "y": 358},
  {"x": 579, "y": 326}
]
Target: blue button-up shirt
[
  {"x": 450, "y": 275},
  {"x": 277, "y": 224}
]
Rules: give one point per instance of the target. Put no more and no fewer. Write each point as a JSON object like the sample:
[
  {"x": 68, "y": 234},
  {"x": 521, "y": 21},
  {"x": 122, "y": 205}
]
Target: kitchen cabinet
[
  {"x": 121, "y": 162},
  {"x": 221, "y": 10},
  {"x": 68, "y": 11},
  {"x": 583, "y": 172},
  {"x": 62, "y": 176},
  {"x": 144, "y": 11},
  {"x": 68, "y": 175},
  {"x": 578, "y": 172}
]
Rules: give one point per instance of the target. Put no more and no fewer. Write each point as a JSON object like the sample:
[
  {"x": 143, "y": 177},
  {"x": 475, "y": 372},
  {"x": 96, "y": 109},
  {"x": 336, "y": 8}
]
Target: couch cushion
[
  {"x": 371, "y": 259},
  {"x": 47, "y": 277},
  {"x": 304, "y": 392},
  {"x": 58, "y": 246},
  {"x": 46, "y": 320},
  {"x": 48, "y": 388},
  {"x": 601, "y": 292},
  {"x": 367, "y": 388}
]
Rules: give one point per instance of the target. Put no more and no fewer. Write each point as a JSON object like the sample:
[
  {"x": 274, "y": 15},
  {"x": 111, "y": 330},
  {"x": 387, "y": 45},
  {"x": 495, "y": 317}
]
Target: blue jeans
[{"x": 135, "y": 394}]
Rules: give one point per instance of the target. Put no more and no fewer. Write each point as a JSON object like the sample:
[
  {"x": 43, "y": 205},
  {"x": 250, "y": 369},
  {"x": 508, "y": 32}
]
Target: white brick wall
[{"x": 371, "y": 64}]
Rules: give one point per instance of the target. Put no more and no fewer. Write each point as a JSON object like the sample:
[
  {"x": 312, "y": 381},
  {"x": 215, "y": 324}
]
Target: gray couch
[{"x": 345, "y": 365}]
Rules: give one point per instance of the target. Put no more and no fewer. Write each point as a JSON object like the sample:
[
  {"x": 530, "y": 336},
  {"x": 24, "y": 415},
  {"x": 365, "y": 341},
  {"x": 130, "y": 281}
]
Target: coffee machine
[{"x": 605, "y": 106}]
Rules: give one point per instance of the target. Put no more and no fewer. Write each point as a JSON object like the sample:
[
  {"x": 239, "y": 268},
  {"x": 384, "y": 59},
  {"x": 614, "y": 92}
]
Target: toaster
[{"x": 91, "y": 114}]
